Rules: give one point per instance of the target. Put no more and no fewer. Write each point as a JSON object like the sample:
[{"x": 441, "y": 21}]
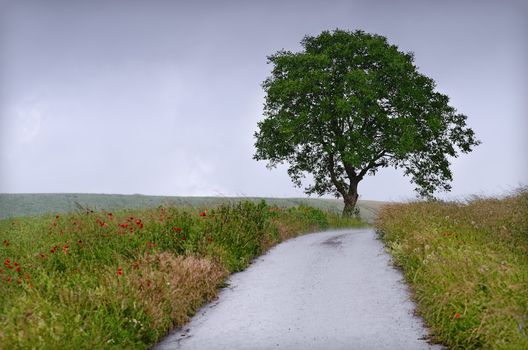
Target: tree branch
[
  {"x": 371, "y": 164},
  {"x": 338, "y": 184}
]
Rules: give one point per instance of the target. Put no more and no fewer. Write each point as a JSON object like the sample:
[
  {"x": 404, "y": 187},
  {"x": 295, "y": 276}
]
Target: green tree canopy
[{"x": 349, "y": 104}]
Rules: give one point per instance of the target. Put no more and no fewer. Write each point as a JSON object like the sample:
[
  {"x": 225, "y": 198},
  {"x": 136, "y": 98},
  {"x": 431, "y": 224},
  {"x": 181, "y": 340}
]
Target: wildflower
[
  {"x": 7, "y": 262},
  {"x": 176, "y": 229},
  {"x": 183, "y": 238},
  {"x": 18, "y": 269},
  {"x": 202, "y": 213},
  {"x": 119, "y": 271},
  {"x": 457, "y": 315},
  {"x": 139, "y": 223},
  {"x": 6, "y": 243}
]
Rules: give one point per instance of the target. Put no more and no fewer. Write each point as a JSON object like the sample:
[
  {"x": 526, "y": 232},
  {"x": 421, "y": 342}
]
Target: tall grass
[
  {"x": 467, "y": 264},
  {"x": 105, "y": 280}
]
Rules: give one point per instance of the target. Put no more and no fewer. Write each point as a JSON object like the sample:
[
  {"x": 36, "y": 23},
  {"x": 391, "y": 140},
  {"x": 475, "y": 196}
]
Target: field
[
  {"x": 122, "y": 279},
  {"x": 13, "y": 205},
  {"x": 467, "y": 264}
]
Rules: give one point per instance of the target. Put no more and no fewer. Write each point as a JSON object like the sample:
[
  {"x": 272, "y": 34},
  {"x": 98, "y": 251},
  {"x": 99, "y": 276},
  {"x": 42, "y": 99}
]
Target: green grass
[
  {"x": 19, "y": 204},
  {"x": 102, "y": 280},
  {"x": 467, "y": 264}
]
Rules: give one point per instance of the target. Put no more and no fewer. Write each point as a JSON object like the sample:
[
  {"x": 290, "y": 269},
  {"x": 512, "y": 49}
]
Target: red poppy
[
  {"x": 7, "y": 262},
  {"x": 119, "y": 271},
  {"x": 177, "y": 229},
  {"x": 457, "y": 315},
  {"x": 202, "y": 213}
]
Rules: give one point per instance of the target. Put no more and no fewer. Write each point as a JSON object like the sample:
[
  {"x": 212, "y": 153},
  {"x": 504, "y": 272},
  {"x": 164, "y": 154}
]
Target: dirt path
[{"x": 330, "y": 290}]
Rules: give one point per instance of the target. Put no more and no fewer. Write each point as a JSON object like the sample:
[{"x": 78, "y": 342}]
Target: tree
[{"x": 351, "y": 103}]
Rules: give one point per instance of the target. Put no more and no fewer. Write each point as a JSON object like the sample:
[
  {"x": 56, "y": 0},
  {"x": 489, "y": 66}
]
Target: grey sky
[{"x": 163, "y": 97}]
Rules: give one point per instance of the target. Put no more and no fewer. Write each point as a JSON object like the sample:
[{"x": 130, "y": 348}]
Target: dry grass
[
  {"x": 468, "y": 267},
  {"x": 170, "y": 288}
]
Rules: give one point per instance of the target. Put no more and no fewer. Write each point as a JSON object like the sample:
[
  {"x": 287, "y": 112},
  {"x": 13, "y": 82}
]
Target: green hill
[{"x": 14, "y": 205}]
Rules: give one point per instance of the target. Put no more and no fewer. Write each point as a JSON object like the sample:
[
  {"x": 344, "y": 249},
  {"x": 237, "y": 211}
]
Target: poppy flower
[
  {"x": 119, "y": 271},
  {"x": 202, "y": 213},
  {"x": 457, "y": 315}
]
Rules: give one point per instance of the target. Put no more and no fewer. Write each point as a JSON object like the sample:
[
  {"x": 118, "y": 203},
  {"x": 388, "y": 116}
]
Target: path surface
[{"x": 330, "y": 290}]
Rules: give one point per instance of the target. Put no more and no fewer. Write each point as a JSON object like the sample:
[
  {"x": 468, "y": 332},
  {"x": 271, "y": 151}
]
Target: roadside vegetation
[
  {"x": 101, "y": 280},
  {"x": 467, "y": 264}
]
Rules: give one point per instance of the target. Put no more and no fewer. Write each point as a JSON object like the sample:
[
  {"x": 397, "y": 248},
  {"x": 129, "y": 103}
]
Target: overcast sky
[{"x": 163, "y": 97}]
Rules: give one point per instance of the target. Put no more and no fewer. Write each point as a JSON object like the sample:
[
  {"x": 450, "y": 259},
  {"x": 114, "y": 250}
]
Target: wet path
[{"x": 330, "y": 290}]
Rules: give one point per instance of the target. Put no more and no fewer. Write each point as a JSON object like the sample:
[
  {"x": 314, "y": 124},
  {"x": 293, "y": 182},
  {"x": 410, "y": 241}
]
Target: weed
[
  {"x": 467, "y": 264},
  {"x": 103, "y": 280}
]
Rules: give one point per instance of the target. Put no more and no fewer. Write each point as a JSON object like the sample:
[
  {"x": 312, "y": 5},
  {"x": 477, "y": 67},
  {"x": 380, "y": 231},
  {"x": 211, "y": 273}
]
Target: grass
[
  {"x": 467, "y": 264},
  {"x": 24, "y": 204},
  {"x": 104, "y": 280}
]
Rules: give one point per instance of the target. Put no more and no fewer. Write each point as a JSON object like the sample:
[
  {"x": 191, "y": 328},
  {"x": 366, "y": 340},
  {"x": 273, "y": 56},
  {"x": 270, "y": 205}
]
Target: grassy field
[
  {"x": 467, "y": 264},
  {"x": 14, "y": 205},
  {"x": 104, "y": 280}
]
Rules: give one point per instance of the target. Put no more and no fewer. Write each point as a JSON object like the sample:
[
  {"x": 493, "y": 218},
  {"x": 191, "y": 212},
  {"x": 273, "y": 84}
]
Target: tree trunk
[{"x": 350, "y": 204}]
